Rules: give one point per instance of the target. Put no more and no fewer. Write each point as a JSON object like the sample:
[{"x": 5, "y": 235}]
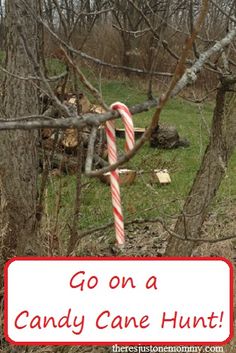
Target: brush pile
[{"x": 59, "y": 148}]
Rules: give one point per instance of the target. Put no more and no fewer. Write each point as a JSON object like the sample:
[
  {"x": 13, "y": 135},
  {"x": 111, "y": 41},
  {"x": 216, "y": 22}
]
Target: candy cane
[{"x": 112, "y": 157}]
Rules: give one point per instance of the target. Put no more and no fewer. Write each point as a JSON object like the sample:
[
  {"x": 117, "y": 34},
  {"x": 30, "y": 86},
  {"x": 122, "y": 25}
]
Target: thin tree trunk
[
  {"x": 1, "y": 25},
  {"x": 210, "y": 174},
  {"x": 18, "y": 163},
  {"x": 208, "y": 178},
  {"x": 126, "y": 54}
]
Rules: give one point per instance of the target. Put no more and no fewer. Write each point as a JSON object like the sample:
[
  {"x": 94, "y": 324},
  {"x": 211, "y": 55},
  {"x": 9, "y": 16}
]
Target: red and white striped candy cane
[{"x": 112, "y": 157}]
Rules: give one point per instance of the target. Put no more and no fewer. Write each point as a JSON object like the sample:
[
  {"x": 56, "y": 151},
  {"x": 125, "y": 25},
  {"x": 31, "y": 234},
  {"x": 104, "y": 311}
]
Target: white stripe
[
  {"x": 112, "y": 157},
  {"x": 121, "y": 224}
]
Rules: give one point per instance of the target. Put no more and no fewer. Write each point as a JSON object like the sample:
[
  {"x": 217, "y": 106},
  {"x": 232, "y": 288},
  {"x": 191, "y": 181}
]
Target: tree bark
[
  {"x": 211, "y": 172},
  {"x": 18, "y": 163},
  {"x": 1, "y": 25}
]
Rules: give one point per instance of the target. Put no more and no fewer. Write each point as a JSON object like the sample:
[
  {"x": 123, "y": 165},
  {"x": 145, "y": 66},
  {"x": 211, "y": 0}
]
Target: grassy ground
[{"x": 144, "y": 199}]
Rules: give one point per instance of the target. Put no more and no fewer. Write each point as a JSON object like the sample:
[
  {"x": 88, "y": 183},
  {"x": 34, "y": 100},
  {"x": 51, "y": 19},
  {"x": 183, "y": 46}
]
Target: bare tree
[
  {"x": 211, "y": 172},
  {"x": 18, "y": 148}
]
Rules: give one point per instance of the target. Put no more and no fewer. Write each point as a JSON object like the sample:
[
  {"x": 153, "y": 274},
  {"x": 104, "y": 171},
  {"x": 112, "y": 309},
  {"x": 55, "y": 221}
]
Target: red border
[{"x": 118, "y": 259}]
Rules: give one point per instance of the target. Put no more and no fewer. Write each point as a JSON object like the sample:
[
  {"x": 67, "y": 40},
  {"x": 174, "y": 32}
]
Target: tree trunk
[
  {"x": 127, "y": 50},
  {"x": 210, "y": 174},
  {"x": 208, "y": 179},
  {"x": 18, "y": 163},
  {"x": 1, "y": 25}
]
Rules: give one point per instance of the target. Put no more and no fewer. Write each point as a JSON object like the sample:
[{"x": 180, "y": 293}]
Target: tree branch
[{"x": 40, "y": 121}]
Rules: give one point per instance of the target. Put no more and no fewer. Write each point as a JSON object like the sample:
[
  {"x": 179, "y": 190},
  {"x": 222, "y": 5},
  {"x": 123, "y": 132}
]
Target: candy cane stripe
[
  {"x": 119, "y": 216},
  {"x": 116, "y": 177},
  {"x": 110, "y": 135},
  {"x": 116, "y": 195},
  {"x": 115, "y": 202},
  {"x": 119, "y": 227},
  {"x": 119, "y": 221},
  {"x": 112, "y": 157},
  {"x": 121, "y": 239},
  {"x": 115, "y": 191},
  {"x": 122, "y": 107}
]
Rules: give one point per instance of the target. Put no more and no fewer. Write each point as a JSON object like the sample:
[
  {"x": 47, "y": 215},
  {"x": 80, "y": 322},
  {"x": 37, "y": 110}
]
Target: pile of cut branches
[{"x": 59, "y": 148}]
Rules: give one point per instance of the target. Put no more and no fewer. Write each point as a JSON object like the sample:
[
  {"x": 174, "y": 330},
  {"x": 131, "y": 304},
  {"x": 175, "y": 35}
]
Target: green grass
[
  {"x": 55, "y": 67},
  {"x": 143, "y": 198}
]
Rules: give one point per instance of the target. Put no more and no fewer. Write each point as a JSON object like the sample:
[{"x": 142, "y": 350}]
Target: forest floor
[{"x": 148, "y": 238}]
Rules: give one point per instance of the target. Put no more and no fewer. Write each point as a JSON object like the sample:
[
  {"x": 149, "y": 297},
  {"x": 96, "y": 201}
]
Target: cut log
[
  {"x": 70, "y": 138},
  {"x": 161, "y": 176},
  {"x": 138, "y": 132},
  {"x": 167, "y": 137},
  {"x": 127, "y": 177},
  {"x": 98, "y": 109},
  {"x": 84, "y": 103}
]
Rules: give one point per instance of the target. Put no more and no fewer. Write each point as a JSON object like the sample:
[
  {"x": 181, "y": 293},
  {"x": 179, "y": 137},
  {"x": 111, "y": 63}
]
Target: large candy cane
[{"x": 112, "y": 157}]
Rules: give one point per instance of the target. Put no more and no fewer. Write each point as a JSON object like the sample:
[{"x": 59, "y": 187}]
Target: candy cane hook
[{"x": 112, "y": 157}]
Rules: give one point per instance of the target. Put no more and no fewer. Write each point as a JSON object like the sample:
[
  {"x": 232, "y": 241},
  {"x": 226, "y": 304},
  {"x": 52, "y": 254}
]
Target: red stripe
[
  {"x": 120, "y": 238},
  {"x": 112, "y": 149},
  {"x": 117, "y": 189},
  {"x": 109, "y": 126},
  {"x": 113, "y": 155},
  {"x": 116, "y": 194},
  {"x": 120, "y": 229},
  {"x": 111, "y": 135},
  {"x": 129, "y": 129},
  {"x": 115, "y": 198},
  {"x": 121, "y": 107},
  {"x": 130, "y": 137},
  {"x": 118, "y": 214},
  {"x": 130, "y": 133},
  {"x": 110, "y": 123},
  {"x": 115, "y": 174}
]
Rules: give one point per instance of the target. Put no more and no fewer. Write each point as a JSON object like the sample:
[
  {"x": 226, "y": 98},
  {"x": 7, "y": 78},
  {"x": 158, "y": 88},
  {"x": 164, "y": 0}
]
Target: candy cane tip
[{"x": 113, "y": 106}]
